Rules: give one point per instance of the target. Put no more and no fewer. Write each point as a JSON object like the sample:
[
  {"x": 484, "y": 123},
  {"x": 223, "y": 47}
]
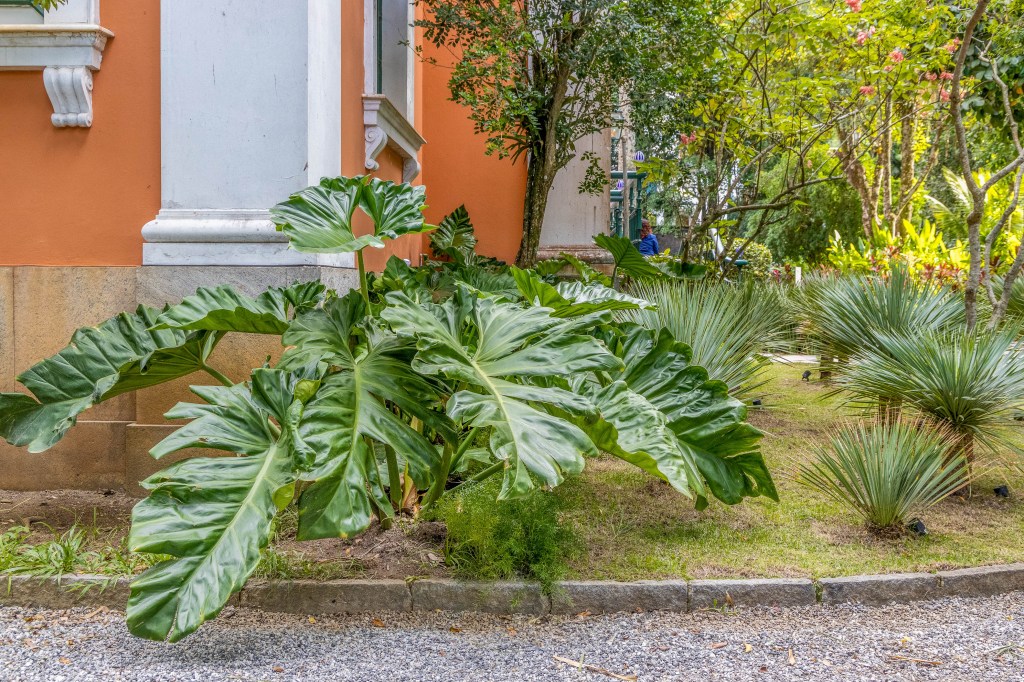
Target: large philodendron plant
[{"x": 460, "y": 368}]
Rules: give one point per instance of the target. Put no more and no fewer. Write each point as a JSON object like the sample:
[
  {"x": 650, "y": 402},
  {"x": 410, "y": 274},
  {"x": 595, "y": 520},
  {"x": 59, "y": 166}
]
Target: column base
[{"x": 230, "y": 237}]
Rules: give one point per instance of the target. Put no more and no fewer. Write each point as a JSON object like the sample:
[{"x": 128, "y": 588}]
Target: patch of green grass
[
  {"x": 80, "y": 549},
  {"x": 635, "y": 527},
  {"x": 490, "y": 539}
]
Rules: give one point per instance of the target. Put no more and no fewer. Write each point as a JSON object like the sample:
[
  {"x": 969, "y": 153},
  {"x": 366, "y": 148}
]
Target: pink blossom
[
  {"x": 688, "y": 139},
  {"x": 946, "y": 76},
  {"x": 854, "y": 5},
  {"x": 930, "y": 76},
  {"x": 952, "y": 46},
  {"x": 897, "y": 56},
  {"x": 944, "y": 95},
  {"x": 867, "y": 90},
  {"x": 887, "y": 68},
  {"x": 862, "y": 37}
]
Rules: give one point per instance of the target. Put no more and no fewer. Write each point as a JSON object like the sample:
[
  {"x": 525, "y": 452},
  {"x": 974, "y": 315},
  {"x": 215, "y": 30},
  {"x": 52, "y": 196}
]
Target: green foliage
[
  {"x": 759, "y": 262},
  {"x": 506, "y": 539},
  {"x": 728, "y": 329},
  {"x": 704, "y": 424},
  {"x": 123, "y": 354},
  {"x": 454, "y": 237},
  {"x": 921, "y": 251},
  {"x": 888, "y": 472},
  {"x": 630, "y": 262},
  {"x": 445, "y": 369},
  {"x": 848, "y": 314},
  {"x": 971, "y": 383}
]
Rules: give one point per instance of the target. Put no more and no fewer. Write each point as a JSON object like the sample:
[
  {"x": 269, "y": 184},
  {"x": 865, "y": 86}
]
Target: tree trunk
[
  {"x": 974, "y": 272},
  {"x": 885, "y": 167},
  {"x": 857, "y": 176},
  {"x": 908, "y": 132},
  {"x": 535, "y": 204}
]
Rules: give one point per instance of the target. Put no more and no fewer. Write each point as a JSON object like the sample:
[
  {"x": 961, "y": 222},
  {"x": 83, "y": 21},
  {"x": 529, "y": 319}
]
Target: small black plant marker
[
  {"x": 807, "y": 375},
  {"x": 1002, "y": 491},
  {"x": 756, "y": 402},
  {"x": 917, "y": 527}
]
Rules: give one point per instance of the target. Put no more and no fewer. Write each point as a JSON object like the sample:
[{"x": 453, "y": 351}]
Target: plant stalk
[
  {"x": 394, "y": 477},
  {"x": 218, "y": 376},
  {"x": 362, "y": 277}
]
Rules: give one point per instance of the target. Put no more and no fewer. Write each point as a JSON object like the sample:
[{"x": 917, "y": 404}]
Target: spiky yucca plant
[
  {"x": 888, "y": 472},
  {"x": 972, "y": 383},
  {"x": 848, "y": 314},
  {"x": 729, "y": 328}
]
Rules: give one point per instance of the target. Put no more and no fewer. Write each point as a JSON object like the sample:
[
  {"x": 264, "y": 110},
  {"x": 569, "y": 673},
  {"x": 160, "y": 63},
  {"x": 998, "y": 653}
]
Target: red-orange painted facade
[{"x": 80, "y": 196}]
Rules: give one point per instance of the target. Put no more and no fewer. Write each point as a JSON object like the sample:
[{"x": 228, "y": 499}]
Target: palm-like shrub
[
  {"x": 730, "y": 329},
  {"x": 848, "y": 314},
  {"x": 887, "y": 472},
  {"x": 970, "y": 382}
]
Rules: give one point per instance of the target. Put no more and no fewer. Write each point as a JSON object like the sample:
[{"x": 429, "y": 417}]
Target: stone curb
[{"x": 567, "y": 597}]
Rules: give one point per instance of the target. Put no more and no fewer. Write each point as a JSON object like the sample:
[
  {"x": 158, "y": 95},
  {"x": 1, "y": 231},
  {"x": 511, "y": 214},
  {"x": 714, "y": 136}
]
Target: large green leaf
[
  {"x": 214, "y": 515},
  {"x": 571, "y": 299},
  {"x": 121, "y": 354},
  {"x": 627, "y": 258},
  {"x": 454, "y": 236},
  {"x": 369, "y": 370},
  {"x": 709, "y": 425},
  {"x": 396, "y": 209},
  {"x": 224, "y": 309},
  {"x": 496, "y": 348},
  {"x": 318, "y": 219},
  {"x": 634, "y": 430}
]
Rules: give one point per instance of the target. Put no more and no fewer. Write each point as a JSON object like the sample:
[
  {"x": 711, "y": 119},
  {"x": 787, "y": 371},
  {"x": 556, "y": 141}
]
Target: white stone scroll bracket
[
  {"x": 70, "y": 91},
  {"x": 383, "y": 127}
]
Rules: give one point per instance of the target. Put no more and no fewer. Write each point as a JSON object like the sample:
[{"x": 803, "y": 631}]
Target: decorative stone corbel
[
  {"x": 67, "y": 54},
  {"x": 386, "y": 127},
  {"x": 70, "y": 91}
]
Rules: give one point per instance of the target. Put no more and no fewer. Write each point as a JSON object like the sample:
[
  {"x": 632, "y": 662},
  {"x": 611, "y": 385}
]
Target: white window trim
[
  {"x": 384, "y": 126},
  {"x": 67, "y": 47}
]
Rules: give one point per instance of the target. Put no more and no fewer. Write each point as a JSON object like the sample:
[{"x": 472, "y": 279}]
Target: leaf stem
[
  {"x": 362, "y": 277},
  {"x": 466, "y": 443},
  {"x": 394, "y": 479},
  {"x": 475, "y": 478},
  {"x": 217, "y": 375}
]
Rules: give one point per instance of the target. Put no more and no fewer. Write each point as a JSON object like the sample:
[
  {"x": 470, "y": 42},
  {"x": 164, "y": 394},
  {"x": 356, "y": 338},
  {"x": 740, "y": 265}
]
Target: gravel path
[{"x": 950, "y": 640}]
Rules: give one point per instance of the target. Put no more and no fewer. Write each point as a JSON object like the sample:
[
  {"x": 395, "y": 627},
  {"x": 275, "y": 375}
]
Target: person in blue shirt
[{"x": 648, "y": 245}]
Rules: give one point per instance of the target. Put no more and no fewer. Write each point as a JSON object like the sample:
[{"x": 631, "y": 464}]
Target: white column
[{"x": 250, "y": 112}]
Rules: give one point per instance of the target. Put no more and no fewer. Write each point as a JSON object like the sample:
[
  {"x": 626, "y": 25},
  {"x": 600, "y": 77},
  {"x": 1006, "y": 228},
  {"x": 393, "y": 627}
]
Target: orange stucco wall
[
  {"x": 457, "y": 171},
  {"x": 80, "y": 196}
]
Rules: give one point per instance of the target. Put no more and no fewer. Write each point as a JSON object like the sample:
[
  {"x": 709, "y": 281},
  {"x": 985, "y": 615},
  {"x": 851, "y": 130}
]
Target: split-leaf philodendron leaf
[
  {"x": 573, "y": 298},
  {"x": 224, "y": 309},
  {"x": 495, "y": 348},
  {"x": 708, "y": 423},
  {"x": 350, "y": 407},
  {"x": 318, "y": 219},
  {"x": 212, "y": 514},
  {"x": 120, "y": 355}
]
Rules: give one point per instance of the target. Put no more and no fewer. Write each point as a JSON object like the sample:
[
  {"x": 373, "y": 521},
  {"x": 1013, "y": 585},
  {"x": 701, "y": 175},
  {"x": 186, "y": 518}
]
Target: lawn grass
[{"x": 636, "y": 527}]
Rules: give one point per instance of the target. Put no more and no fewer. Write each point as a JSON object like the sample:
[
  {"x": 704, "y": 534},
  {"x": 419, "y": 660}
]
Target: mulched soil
[{"x": 407, "y": 549}]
